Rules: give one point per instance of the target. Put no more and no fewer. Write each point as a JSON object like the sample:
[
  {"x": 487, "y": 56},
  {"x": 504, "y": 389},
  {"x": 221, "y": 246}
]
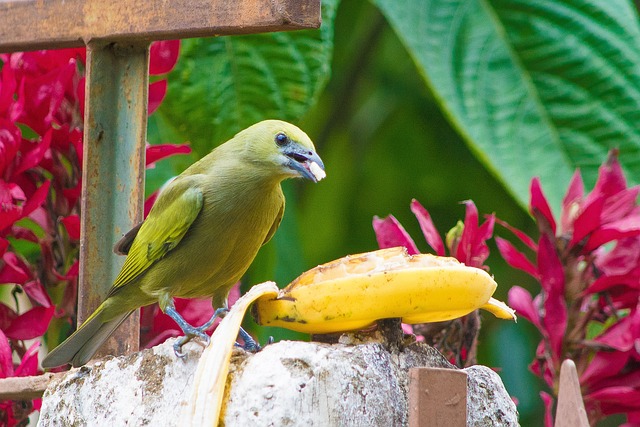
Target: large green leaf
[
  {"x": 536, "y": 87},
  {"x": 222, "y": 85}
]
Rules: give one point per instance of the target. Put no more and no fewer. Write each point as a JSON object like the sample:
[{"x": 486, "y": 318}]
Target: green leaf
[
  {"x": 536, "y": 87},
  {"x": 222, "y": 85}
]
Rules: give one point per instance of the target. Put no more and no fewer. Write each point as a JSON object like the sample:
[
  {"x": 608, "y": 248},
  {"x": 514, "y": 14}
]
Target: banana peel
[
  {"x": 353, "y": 292},
  {"x": 204, "y": 406}
]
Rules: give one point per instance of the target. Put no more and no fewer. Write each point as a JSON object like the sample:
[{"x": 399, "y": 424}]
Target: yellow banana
[{"x": 353, "y": 292}]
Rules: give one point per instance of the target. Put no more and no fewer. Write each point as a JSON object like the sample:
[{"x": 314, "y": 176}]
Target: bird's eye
[{"x": 281, "y": 139}]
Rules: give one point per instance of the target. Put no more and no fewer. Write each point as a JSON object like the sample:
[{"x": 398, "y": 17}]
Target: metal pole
[{"x": 113, "y": 173}]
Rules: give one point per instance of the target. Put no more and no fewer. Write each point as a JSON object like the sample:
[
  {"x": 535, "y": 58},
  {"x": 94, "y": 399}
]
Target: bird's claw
[
  {"x": 250, "y": 344},
  {"x": 191, "y": 332},
  {"x": 198, "y": 333},
  {"x": 177, "y": 347}
]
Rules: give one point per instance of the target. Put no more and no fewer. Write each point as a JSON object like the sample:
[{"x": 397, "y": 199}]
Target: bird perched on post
[{"x": 202, "y": 233}]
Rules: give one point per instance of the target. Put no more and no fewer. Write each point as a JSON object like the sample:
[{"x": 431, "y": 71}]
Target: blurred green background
[{"x": 384, "y": 138}]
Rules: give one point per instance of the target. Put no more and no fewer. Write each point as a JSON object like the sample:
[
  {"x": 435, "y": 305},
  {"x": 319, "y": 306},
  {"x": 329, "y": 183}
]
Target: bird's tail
[{"x": 85, "y": 341}]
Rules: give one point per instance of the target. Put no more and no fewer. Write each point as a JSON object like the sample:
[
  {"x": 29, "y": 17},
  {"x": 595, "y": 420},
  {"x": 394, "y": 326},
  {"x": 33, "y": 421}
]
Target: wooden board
[
  {"x": 51, "y": 24},
  {"x": 437, "y": 397}
]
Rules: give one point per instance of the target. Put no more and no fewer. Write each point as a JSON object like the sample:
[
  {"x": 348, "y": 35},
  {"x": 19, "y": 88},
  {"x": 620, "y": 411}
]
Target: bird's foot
[
  {"x": 191, "y": 332},
  {"x": 250, "y": 344}
]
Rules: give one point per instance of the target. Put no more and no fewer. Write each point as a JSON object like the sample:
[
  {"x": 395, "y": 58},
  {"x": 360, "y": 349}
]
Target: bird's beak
[{"x": 305, "y": 161}]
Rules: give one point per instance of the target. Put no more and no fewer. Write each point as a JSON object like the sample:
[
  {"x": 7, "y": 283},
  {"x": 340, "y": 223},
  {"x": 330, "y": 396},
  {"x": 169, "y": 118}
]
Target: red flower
[
  {"x": 588, "y": 307},
  {"x": 456, "y": 339},
  {"x": 41, "y": 112},
  {"x": 466, "y": 243}
]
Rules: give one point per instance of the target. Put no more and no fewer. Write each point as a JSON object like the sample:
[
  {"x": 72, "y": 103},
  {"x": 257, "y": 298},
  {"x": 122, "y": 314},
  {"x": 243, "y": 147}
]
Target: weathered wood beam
[
  {"x": 26, "y": 388},
  {"x": 52, "y": 24}
]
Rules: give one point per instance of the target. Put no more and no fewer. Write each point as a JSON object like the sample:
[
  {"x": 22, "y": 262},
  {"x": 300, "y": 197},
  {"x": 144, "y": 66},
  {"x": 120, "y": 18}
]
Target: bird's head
[{"x": 286, "y": 147}]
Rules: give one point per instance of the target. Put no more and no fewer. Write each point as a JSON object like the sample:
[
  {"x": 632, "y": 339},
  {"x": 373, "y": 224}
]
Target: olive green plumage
[{"x": 203, "y": 232}]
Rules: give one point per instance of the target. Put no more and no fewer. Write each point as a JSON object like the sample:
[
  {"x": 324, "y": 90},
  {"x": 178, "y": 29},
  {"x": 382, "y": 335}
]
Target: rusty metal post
[{"x": 113, "y": 173}]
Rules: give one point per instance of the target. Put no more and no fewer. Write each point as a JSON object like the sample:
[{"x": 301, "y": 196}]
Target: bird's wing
[
  {"x": 161, "y": 231},
  {"x": 275, "y": 225}
]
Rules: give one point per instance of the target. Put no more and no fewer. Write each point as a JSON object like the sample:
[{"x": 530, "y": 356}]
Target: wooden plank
[
  {"x": 437, "y": 397},
  {"x": 570, "y": 412},
  {"x": 51, "y": 24},
  {"x": 112, "y": 174},
  {"x": 26, "y": 388}
]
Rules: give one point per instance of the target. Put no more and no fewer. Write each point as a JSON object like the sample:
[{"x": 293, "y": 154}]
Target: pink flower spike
[
  {"x": 6, "y": 359},
  {"x": 614, "y": 400},
  {"x": 621, "y": 335},
  {"x": 626, "y": 227},
  {"x": 528, "y": 241},
  {"x": 10, "y": 139},
  {"x": 72, "y": 225},
  {"x": 515, "y": 258},
  {"x": 7, "y": 88},
  {"x": 29, "y": 364},
  {"x": 588, "y": 220},
  {"x": 620, "y": 205},
  {"x": 627, "y": 379},
  {"x": 633, "y": 419},
  {"x": 37, "y": 293},
  {"x": 157, "y": 92},
  {"x": 621, "y": 259},
  {"x": 37, "y": 199},
  {"x": 161, "y": 151},
  {"x": 610, "y": 180},
  {"x": 552, "y": 282},
  {"x": 603, "y": 365},
  {"x": 604, "y": 283},
  {"x": 163, "y": 56},
  {"x": 390, "y": 233},
  {"x": 548, "y": 408},
  {"x": 4, "y": 244},
  {"x": 148, "y": 204},
  {"x": 34, "y": 156},
  {"x": 72, "y": 273},
  {"x": 537, "y": 366},
  {"x": 472, "y": 249},
  {"x": 14, "y": 269},
  {"x": 539, "y": 204},
  {"x": 428, "y": 227},
  {"x": 571, "y": 202},
  {"x": 31, "y": 324},
  {"x": 23, "y": 234},
  {"x": 520, "y": 300},
  {"x": 73, "y": 194}
]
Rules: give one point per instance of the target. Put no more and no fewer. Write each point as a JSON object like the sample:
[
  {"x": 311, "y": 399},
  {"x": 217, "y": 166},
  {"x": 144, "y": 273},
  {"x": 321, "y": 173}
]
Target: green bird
[{"x": 202, "y": 233}]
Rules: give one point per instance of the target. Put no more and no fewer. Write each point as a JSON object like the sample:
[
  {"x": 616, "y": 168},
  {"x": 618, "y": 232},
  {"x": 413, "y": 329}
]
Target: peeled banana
[{"x": 353, "y": 292}]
